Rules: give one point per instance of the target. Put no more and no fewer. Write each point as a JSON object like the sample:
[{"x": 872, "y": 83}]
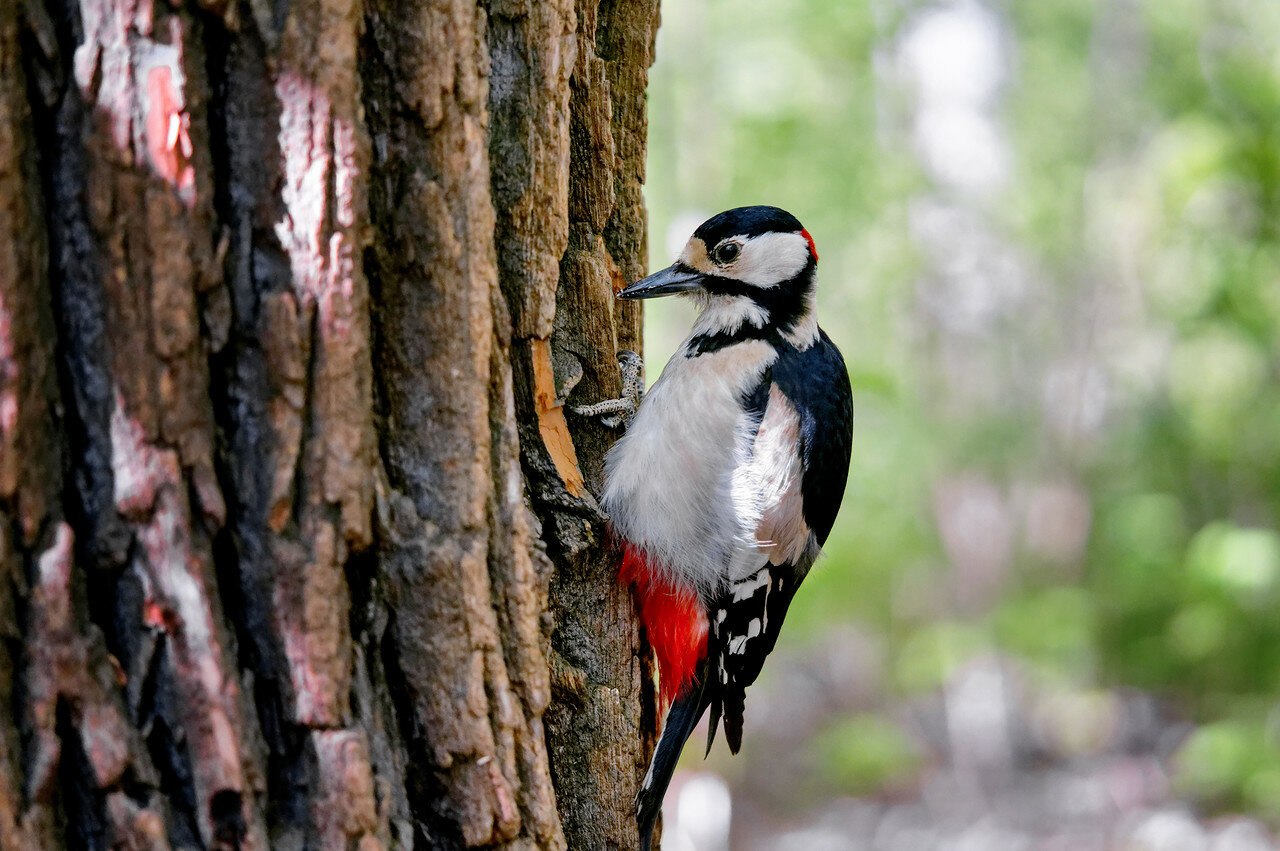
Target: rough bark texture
[{"x": 297, "y": 544}]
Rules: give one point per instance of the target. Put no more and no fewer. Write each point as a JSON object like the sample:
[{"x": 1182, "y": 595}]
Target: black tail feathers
[
  {"x": 734, "y": 705},
  {"x": 729, "y": 704},
  {"x": 681, "y": 719}
]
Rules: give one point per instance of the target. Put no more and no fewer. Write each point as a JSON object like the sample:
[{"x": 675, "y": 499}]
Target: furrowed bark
[
  {"x": 456, "y": 536},
  {"x": 129, "y": 685},
  {"x": 30, "y": 478},
  {"x": 290, "y": 299},
  {"x": 603, "y": 679},
  {"x": 293, "y": 382}
]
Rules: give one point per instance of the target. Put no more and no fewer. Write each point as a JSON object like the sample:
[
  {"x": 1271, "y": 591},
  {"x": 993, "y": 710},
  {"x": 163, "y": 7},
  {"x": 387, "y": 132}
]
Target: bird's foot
[{"x": 618, "y": 412}]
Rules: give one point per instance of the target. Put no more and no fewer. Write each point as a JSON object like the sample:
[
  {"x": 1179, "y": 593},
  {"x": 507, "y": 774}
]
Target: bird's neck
[
  {"x": 731, "y": 315},
  {"x": 803, "y": 330},
  {"x": 726, "y": 319}
]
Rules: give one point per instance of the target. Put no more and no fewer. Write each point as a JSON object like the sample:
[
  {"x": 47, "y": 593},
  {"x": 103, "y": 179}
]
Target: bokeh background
[{"x": 1049, "y": 616}]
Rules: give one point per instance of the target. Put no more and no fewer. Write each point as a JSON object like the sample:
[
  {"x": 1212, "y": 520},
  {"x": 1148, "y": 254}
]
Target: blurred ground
[
  {"x": 1050, "y": 242},
  {"x": 997, "y": 761}
]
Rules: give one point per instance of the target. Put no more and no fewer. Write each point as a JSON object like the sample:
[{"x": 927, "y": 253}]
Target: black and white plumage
[{"x": 730, "y": 475}]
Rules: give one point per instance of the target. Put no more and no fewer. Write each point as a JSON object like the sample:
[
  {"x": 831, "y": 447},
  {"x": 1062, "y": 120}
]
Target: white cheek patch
[{"x": 770, "y": 259}]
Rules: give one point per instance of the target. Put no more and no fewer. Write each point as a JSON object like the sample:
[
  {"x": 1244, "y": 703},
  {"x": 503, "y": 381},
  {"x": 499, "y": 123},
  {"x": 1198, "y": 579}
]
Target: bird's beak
[{"x": 673, "y": 279}]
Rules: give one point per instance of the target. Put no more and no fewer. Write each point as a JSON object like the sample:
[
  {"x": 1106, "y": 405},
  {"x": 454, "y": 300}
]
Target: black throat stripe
[
  {"x": 704, "y": 344},
  {"x": 785, "y": 304}
]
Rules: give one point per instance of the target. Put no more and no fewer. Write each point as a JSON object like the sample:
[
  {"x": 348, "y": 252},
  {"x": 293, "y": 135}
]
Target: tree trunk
[{"x": 298, "y": 545}]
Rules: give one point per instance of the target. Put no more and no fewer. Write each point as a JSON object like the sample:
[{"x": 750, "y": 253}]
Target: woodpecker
[{"x": 729, "y": 476}]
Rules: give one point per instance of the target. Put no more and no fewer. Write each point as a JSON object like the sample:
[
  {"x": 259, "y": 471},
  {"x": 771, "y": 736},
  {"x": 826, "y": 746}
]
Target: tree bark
[{"x": 298, "y": 547}]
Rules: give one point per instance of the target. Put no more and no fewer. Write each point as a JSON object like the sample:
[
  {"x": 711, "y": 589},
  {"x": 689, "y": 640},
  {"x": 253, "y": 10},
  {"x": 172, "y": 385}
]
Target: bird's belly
[{"x": 669, "y": 480}]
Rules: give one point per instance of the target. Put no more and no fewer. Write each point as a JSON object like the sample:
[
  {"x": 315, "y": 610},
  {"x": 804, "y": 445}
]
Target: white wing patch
[
  {"x": 767, "y": 489},
  {"x": 747, "y": 588}
]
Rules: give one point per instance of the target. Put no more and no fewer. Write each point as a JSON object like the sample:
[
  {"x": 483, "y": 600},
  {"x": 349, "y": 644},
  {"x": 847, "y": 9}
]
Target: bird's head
[{"x": 748, "y": 265}]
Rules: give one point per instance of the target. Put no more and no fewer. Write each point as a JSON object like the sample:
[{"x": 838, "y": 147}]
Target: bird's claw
[{"x": 615, "y": 413}]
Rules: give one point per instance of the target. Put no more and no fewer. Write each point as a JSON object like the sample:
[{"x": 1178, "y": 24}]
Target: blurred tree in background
[{"x": 1050, "y": 240}]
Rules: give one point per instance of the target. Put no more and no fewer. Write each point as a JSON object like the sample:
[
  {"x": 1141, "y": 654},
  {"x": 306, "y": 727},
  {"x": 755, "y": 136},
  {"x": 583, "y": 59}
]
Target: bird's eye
[{"x": 727, "y": 252}]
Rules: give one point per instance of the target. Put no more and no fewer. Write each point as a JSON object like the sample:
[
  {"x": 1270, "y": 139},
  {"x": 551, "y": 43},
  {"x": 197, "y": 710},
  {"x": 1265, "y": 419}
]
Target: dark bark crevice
[
  {"x": 85, "y": 822},
  {"x": 435, "y": 819},
  {"x": 165, "y": 743},
  {"x": 79, "y": 307}
]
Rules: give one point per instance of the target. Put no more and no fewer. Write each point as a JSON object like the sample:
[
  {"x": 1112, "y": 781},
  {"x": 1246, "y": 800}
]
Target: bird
[{"x": 727, "y": 480}]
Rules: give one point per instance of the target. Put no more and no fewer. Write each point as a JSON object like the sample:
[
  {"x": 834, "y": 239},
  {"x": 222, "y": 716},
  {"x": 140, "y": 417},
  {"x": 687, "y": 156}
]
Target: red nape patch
[
  {"x": 673, "y": 619},
  {"x": 813, "y": 249}
]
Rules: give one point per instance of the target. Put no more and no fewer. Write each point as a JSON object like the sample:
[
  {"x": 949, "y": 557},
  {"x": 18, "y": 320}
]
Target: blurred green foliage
[
  {"x": 1124, "y": 385},
  {"x": 863, "y": 754}
]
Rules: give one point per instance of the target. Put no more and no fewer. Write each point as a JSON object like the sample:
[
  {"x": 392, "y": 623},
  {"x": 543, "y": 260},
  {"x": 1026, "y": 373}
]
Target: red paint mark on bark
[
  {"x": 153, "y": 616},
  {"x": 168, "y": 131}
]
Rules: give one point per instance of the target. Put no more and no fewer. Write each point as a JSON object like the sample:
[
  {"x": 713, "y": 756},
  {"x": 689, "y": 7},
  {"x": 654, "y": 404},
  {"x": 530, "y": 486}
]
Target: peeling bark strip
[{"x": 291, "y": 515}]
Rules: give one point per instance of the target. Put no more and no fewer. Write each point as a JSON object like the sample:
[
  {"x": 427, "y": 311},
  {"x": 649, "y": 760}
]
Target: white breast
[{"x": 669, "y": 482}]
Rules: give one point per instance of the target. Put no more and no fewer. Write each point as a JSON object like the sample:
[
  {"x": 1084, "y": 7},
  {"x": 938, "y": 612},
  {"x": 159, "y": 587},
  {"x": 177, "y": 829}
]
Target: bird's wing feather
[
  {"x": 782, "y": 533},
  {"x": 817, "y": 384}
]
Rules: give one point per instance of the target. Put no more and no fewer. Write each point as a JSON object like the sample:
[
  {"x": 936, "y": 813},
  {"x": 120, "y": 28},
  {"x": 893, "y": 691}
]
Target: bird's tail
[{"x": 681, "y": 719}]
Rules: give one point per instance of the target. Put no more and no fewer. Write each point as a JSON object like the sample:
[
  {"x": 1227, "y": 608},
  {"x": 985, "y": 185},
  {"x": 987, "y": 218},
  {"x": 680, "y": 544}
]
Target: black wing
[{"x": 802, "y": 451}]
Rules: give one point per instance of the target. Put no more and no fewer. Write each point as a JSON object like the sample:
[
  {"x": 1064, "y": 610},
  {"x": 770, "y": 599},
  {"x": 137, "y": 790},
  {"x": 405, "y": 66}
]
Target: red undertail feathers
[{"x": 673, "y": 619}]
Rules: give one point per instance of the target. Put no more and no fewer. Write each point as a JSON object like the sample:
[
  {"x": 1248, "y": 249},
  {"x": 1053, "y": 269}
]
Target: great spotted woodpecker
[{"x": 729, "y": 476}]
